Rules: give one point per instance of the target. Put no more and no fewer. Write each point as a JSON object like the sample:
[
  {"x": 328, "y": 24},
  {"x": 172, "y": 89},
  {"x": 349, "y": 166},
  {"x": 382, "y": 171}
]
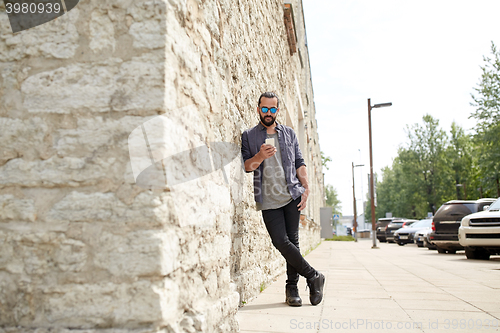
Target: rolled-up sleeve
[
  {"x": 245, "y": 149},
  {"x": 299, "y": 161}
]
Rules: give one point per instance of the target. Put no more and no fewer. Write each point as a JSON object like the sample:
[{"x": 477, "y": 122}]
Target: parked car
[
  {"x": 381, "y": 224},
  {"x": 408, "y": 223},
  {"x": 420, "y": 235},
  {"x": 426, "y": 239},
  {"x": 390, "y": 228},
  {"x": 407, "y": 235},
  {"x": 395, "y": 225},
  {"x": 447, "y": 220},
  {"x": 479, "y": 233}
]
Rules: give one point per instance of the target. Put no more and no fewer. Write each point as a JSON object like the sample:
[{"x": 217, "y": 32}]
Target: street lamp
[
  {"x": 372, "y": 195},
  {"x": 355, "y": 224},
  {"x": 362, "y": 193}
]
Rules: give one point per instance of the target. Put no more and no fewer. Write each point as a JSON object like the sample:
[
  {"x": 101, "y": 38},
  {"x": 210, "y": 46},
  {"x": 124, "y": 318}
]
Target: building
[{"x": 82, "y": 245}]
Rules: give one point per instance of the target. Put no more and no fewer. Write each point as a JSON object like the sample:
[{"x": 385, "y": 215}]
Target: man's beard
[{"x": 267, "y": 122}]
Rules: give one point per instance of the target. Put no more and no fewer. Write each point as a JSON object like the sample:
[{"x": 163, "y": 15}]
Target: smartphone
[{"x": 270, "y": 141}]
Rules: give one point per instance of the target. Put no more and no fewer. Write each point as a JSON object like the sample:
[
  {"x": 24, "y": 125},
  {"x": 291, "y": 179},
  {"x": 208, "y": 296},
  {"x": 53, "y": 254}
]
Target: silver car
[
  {"x": 424, "y": 237},
  {"x": 407, "y": 235},
  {"x": 420, "y": 237}
]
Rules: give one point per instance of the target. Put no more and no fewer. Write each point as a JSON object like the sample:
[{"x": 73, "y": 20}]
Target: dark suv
[
  {"x": 447, "y": 220},
  {"x": 381, "y": 224}
]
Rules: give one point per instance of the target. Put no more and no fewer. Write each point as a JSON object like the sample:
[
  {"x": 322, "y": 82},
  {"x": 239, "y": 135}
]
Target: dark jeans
[{"x": 283, "y": 227}]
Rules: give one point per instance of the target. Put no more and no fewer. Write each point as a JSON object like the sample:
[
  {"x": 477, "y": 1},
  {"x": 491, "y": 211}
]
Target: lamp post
[
  {"x": 372, "y": 195},
  {"x": 362, "y": 193},
  {"x": 355, "y": 224}
]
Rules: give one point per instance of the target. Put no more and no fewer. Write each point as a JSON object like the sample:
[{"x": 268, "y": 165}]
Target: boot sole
[
  {"x": 293, "y": 304},
  {"x": 322, "y": 277}
]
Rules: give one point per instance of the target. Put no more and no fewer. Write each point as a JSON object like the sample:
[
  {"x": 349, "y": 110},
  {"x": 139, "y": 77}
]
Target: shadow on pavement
[{"x": 263, "y": 306}]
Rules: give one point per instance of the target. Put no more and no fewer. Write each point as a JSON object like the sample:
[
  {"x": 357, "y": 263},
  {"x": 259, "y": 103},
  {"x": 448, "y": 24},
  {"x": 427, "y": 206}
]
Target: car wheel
[
  {"x": 401, "y": 244},
  {"x": 485, "y": 255},
  {"x": 440, "y": 250},
  {"x": 420, "y": 245},
  {"x": 428, "y": 245},
  {"x": 476, "y": 253},
  {"x": 470, "y": 253}
]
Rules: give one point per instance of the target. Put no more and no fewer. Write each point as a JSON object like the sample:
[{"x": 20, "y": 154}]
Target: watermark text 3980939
[{"x": 26, "y": 14}]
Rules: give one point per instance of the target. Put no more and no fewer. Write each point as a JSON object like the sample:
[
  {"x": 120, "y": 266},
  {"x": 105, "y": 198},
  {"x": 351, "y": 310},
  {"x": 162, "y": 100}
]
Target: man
[{"x": 281, "y": 190}]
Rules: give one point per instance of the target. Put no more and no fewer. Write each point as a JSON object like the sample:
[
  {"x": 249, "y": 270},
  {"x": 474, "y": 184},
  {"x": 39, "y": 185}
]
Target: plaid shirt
[{"x": 291, "y": 156}]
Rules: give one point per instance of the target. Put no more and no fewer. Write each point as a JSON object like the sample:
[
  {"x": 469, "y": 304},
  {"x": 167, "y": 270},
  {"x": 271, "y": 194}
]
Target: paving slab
[{"x": 391, "y": 288}]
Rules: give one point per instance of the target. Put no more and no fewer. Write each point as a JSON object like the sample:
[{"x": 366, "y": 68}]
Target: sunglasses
[{"x": 265, "y": 110}]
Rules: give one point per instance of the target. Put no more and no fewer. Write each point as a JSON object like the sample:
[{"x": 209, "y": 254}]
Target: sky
[{"x": 422, "y": 56}]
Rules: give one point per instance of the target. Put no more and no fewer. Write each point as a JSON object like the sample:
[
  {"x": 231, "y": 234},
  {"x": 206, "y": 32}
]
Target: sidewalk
[{"x": 393, "y": 288}]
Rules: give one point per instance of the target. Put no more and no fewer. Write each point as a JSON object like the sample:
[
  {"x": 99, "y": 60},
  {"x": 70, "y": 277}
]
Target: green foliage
[
  {"x": 487, "y": 115},
  {"x": 324, "y": 160},
  {"x": 332, "y": 199},
  {"x": 341, "y": 238},
  {"x": 463, "y": 163},
  {"x": 426, "y": 171},
  {"x": 424, "y": 165},
  {"x": 312, "y": 248}
]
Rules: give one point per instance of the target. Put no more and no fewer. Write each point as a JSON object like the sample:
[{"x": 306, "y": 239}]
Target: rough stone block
[
  {"x": 57, "y": 39},
  {"x": 14, "y": 209},
  {"x": 112, "y": 85}
]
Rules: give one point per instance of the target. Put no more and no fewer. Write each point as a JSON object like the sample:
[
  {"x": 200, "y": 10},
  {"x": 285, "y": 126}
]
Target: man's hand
[
  {"x": 267, "y": 151},
  {"x": 302, "y": 203}
]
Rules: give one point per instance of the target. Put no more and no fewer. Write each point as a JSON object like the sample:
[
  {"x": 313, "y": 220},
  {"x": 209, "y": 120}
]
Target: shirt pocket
[{"x": 290, "y": 151}]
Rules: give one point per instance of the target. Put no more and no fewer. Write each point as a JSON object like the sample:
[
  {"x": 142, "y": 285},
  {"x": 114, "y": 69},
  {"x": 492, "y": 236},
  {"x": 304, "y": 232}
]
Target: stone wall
[{"x": 82, "y": 245}]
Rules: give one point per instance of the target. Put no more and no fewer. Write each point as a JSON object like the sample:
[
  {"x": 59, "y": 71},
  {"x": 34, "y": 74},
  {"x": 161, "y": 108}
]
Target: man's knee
[
  {"x": 294, "y": 238},
  {"x": 282, "y": 244}
]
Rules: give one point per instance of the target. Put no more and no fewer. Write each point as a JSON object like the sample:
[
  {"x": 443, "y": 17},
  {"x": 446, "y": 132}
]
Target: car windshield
[
  {"x": 398, "y": 222},
  {"x": 495, "y": 206},
  {"x": 455, "y": 209},
  {"x": 418, "y": 224},
  {"x": 422, "y": 224}
]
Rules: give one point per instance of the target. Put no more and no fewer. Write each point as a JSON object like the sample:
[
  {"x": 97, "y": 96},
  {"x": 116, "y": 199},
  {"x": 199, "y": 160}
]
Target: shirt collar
[{"x": 262, "y": 127}]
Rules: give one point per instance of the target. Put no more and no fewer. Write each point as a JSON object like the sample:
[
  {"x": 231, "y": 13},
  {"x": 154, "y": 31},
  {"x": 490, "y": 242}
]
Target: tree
[
  {"x": 420, "y": 178},
  {"x": 387, "y": 192},
  {"x": 395, "y": 194},
  {"x": 324, "y": 160},
  {"x": 424, "y": 165},
  {"x": 462, "y": 161},
  {"x": 487, "y": 115},
  {"x": 332, "y": 199}
]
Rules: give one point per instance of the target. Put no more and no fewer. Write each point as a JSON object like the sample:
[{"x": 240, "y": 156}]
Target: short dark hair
[{"x": 269, "y": 94}]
